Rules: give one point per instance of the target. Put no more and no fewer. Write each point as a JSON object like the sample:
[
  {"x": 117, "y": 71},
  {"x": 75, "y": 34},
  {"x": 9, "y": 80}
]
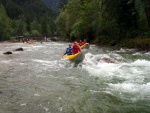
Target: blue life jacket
[{"x": 69, "y": 51}]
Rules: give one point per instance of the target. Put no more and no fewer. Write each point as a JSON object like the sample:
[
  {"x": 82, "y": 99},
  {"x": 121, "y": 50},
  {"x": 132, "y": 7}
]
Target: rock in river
[{"x": 8, "y": 52}]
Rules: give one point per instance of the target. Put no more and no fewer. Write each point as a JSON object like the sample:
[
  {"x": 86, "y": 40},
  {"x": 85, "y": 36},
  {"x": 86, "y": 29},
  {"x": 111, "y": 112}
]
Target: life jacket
[
  {"x": 69, "y": 51},
  {"x": 80, "y": 43},
  {"x": 84, "y": 42},
  {"x": 76, "y": 49}
]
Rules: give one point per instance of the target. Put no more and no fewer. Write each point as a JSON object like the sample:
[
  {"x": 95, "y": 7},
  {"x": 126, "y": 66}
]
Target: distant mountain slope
[
  {"x": 29, "y": 8},
  {"x": 55, "y": 4}
]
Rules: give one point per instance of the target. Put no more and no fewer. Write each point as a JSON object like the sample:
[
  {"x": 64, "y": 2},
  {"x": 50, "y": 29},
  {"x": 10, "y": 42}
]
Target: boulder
[
  {"x": 108, "y": 60},
  {"x": 19, "y": 49},
  {"x": 8, "y": 52}
]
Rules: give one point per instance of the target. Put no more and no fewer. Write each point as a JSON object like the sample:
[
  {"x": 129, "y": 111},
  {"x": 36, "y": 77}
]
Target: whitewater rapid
[{"x": 39, "y": 80}]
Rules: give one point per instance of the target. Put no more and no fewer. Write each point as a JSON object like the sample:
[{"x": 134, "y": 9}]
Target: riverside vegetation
[{"x": 124, "y": 23}]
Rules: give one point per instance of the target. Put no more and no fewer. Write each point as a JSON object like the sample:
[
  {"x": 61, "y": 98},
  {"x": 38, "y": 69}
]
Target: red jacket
[
  {"x": 84, "y": 42},
  {"x": 76, "y": 49}
]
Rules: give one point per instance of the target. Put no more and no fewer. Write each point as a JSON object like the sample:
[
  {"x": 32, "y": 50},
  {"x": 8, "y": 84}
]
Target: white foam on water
[
  {"x": 22, "y": 64},
  {"x": 46, "y": 63},
  {"x": 124, "y": 87},
  {"x": 116, "y": 56},
  {"x": 46, "y": 109},
  {"x": 53, "y": 64},
  {"x": 60, "y": 108},
  {"x": 35, "y": 46},
  {"x": 5, "y": 61},
  {"x": 142, "y": 63},
  {"x": 138, "y": 53},
  {"x": 96, "y": 66},
  {"x": 131, "y": 88},
  {"x": 121, "y": 50},
  {"x": 37, "y": 95},
  {"x": 93, "y": 91},
  {"x": 132, "y": 74},
  {"x": 55, "y": 43},
  {"x": 23, "y": 104},
  {"x": 145, "y": 88},
  {"x": 41, "y": 61},
  {"x": 148, "y": 53}
]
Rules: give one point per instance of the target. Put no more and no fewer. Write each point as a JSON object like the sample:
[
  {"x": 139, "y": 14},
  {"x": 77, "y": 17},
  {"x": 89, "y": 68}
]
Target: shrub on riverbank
[{"x": 139, "y": 43}]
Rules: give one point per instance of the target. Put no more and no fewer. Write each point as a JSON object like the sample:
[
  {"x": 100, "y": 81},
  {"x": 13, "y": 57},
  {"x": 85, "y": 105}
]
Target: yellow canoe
[
  {"x": 86, "y": 46},
  {"x": 30, "y": 42},
  {"x": 82, "y": 46},
  {"x": 75, "y": 57},
  {"x": 71, "y": 57}
]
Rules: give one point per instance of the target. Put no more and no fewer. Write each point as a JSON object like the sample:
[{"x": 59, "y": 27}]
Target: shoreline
[{"x": 130, "y": 45}]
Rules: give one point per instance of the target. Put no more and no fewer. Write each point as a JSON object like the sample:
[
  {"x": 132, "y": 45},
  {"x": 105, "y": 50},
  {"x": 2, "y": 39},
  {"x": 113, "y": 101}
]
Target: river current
[{"x": 39, "y": 80}]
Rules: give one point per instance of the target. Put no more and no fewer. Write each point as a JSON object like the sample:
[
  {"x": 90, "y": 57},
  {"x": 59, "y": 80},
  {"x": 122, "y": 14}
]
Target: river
[{"x": 38, "y": 80}]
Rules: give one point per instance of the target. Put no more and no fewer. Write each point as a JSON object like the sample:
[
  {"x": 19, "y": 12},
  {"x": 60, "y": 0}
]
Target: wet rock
[
  {"x": 8, "y": 52},
  {"x": 113, "y": 44},
  {"x": 108, "y": 60},
  {"x": 87, "y": 46},
  {"x": 19, "y": 49}
]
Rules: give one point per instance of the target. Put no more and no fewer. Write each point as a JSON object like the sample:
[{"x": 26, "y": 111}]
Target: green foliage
[
  {"x": 13, "y": 38},
  {"x": 5, "y": 24},
  {"x": 140, "y": 43},
  {"x": 104, "y": 21},
  {"x": 100, "y": 21},
  {"x": 35, "y": 27},
  {"x": 142, "y": 19},
  {"x": 34, "y": 32},
  {"x": 25, "y": 17},
  {"x": 44, "y": 25},
  {"x": 28, "y": 8},
  {"x": 60, "y": 23},
  {"x": 76, "y": 17},
  {"x": 20, "y": 26}
]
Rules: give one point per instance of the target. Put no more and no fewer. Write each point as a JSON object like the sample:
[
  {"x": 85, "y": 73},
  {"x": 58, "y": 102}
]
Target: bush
[{"x": 140, "y": 43}]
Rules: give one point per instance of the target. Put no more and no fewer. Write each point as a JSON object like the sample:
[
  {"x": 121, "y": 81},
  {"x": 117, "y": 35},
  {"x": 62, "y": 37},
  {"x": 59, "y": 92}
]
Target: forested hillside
[
  {"x": 26, "y": 17},
  {"x": 107, "y": 22},
  {"x": 55, "y": 4}
]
